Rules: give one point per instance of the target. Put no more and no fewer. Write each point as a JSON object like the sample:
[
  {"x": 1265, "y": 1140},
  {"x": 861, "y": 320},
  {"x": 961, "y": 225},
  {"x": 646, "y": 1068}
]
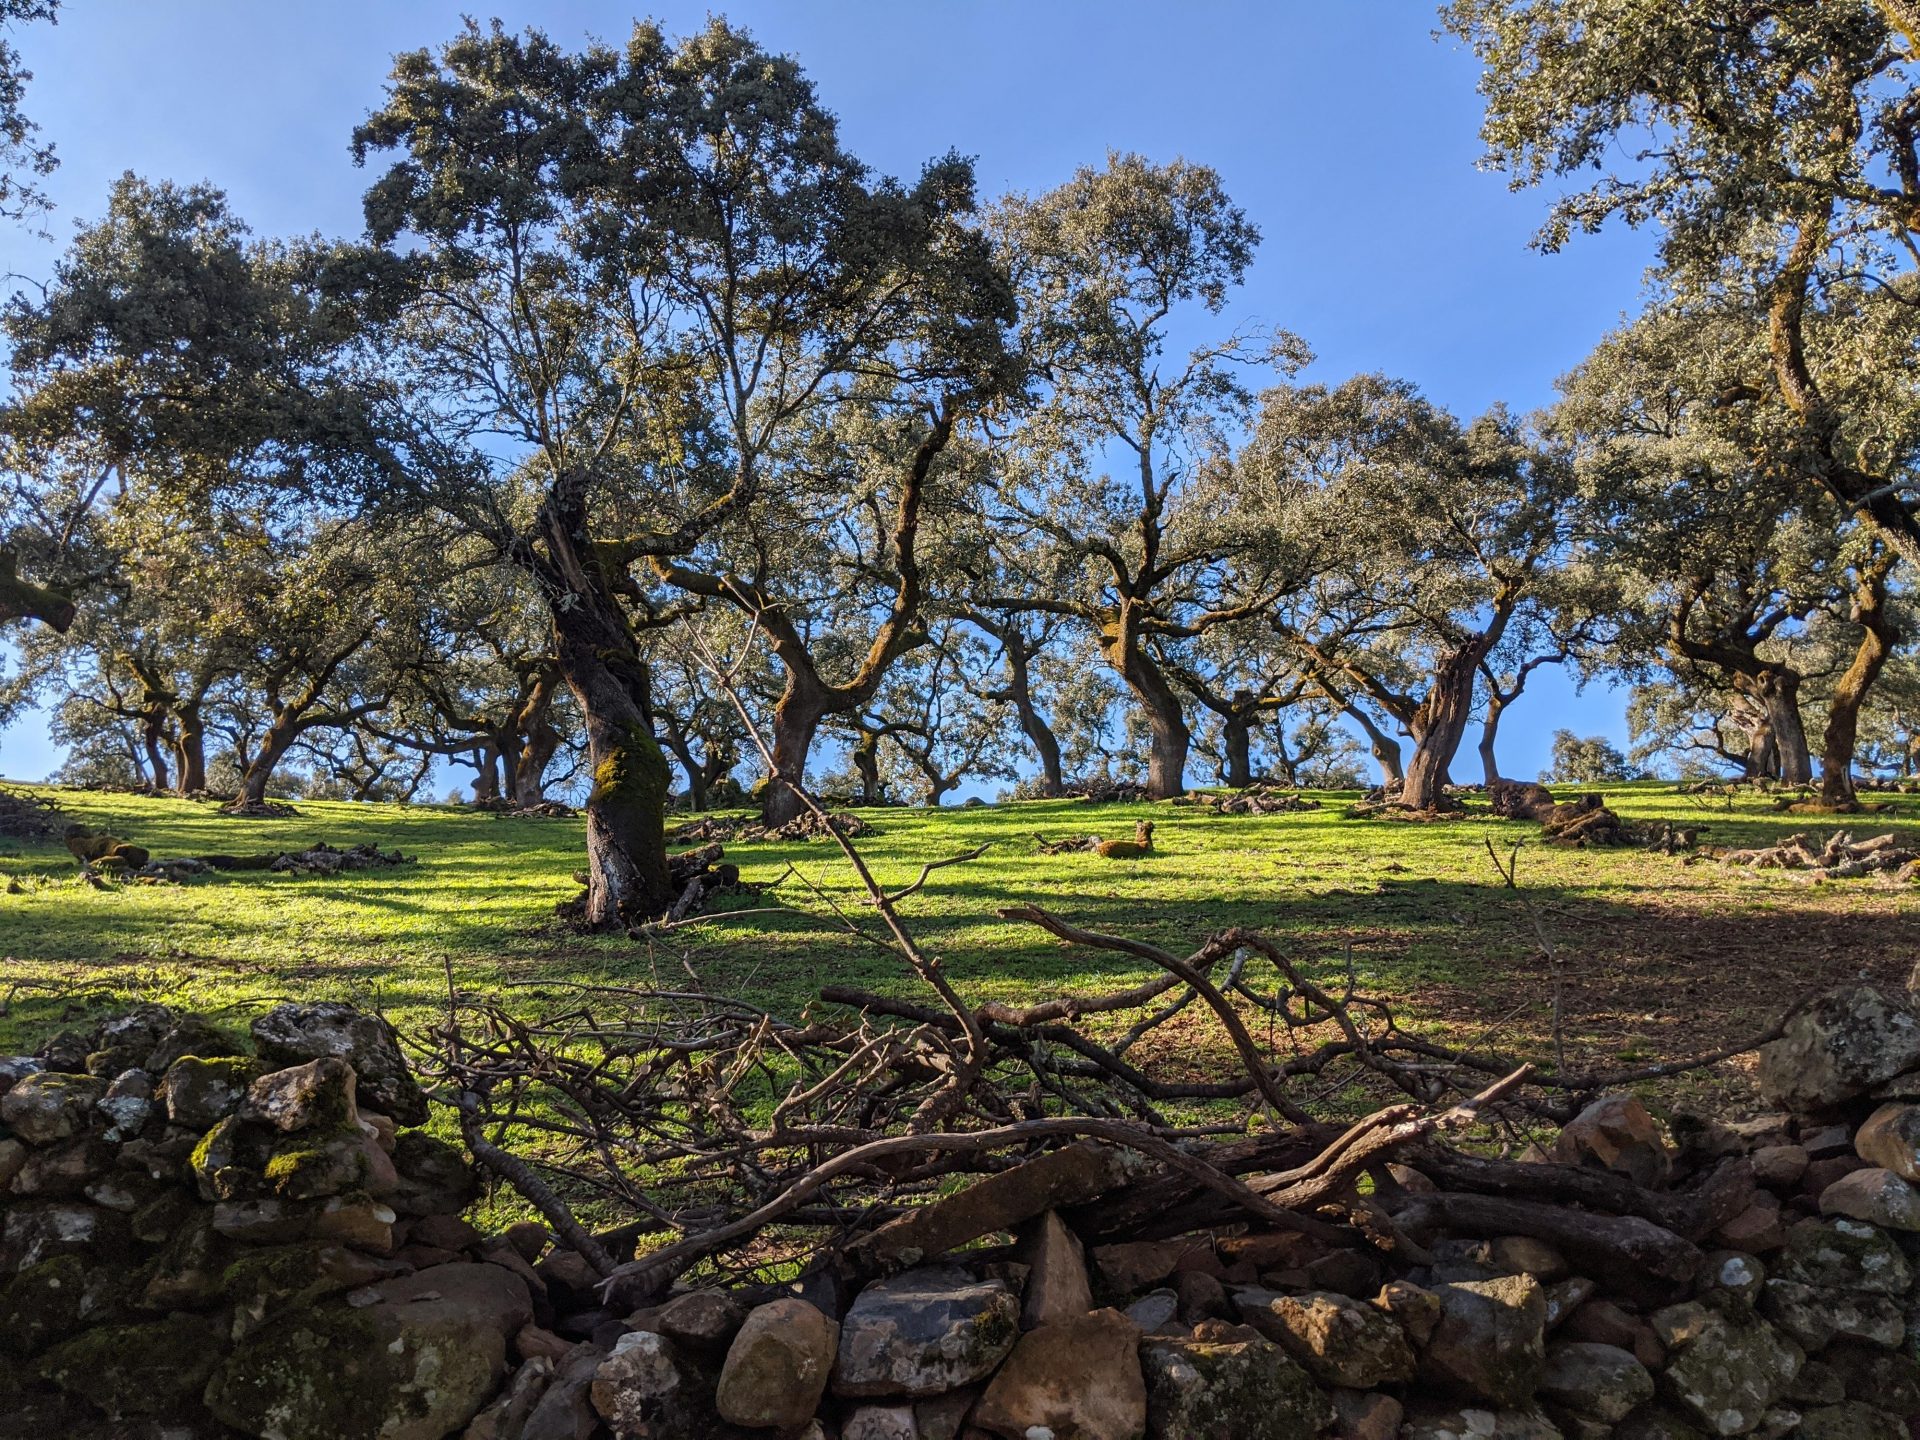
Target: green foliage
[{"x": 1592, "y": 760}]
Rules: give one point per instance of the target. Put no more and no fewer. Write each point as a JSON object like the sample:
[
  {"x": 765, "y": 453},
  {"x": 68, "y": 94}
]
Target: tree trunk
[
  {"x": 1046, "y": 745},
  {"x": 866, "y": 764},
  {"x": 274, "y": 745},
  {"x": 1489, "y": 733},
  {"x": 1850, "y": 690},
  {"x": 540, "y": 740},
  {"x": 626, "y": 808},
  {"x": 796, "y": 720},
  {"x": 1167, "y": 724},
  {"x": 486, "y": 772},
  {"x": 153, "y": 735},
  {"x": 1237, "y": 737},
  {"x": 1781, "y": 696},
  {"x": 1386, "y": 749},
  {"x": 1438, "y": 730},
  {"x": 190, "y": 748}
]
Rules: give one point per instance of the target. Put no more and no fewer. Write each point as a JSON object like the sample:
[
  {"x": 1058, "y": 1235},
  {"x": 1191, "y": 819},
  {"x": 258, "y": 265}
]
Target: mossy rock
[
  {"x": 1239, "y": 1390},
  {"x": 265, "y": 1282},
  {"x": 436, "y": 1178},
  {"x": 154, "y": 1369},
  {"x": 185, "y": 1275},
  {"x": 54, "y": 1299},
  {"x": 318, "y": 1163},
  {"x": 201, "y": 1091}
]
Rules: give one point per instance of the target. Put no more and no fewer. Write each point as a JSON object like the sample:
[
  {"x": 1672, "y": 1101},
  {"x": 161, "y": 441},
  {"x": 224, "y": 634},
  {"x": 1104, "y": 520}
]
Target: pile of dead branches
[
  {"x": 809, "y": 825},
  {"x": 710, "y": 827},
  {"x": 27, "y": 817},
  {"x": 321, "y": 858},
  {"x": 1841, "y": 857},
  {"x": 1258, "y": 800},
  {"x": 1107, "y": 792},
  {"x": 258, "y": 810}
]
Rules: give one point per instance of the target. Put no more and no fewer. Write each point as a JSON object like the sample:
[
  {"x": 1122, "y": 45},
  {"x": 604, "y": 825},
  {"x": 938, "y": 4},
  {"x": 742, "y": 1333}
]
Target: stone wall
[{"x": 199, "y": 1242}]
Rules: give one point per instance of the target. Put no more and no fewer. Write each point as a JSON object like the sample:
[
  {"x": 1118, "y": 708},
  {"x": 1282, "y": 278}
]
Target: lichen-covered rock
[
  {"x": 200, "y": 1092},
  {"x": 1890, "y": 1139},
  {"x": 1490, "y": 1343},
  {"x": 293, "y": 1034},
  {"x": 228, "y": 1161},
  {"x": 15, "y": 1068},
  {"x": 1874, "y": 1196},
  {"x": 701, "y": 1322},
  {"x": 155, "y": 1368},
  {"x": 1415, "y": 1309},
  {"x": 1366, "y": 1415},
  {"x": 778, "y": 1365},
  {"x": 880, "y": 1422},
  {"x": 1813, "y": 1319},
  {"x": 506, "y": 1418},
  {"x": 647, "y": 1390},
  {"x": 1241, "y": 1389},
  {"x": 1601, "y": 1382},
  {"x": 924, "y": 1331},
  {"x": 63, "y": 1169},
  {"x": 1891, "y": 1380},
  {"x": 1844, "y": 1255},
  {"x": 1341, "y": 1341},
  {"x": 1431, "y": 1422},
  {"x": 33, "y": 1231},
  {"x": 1854, "y": 1420},
  {"x": 50, "y": 1301},
  {"x": 1726, "y": 1366},
  {"x": 48, "y": 1106},
  {"x": 185, "y": 1275},
  {"x": 1838, "y": 1048},
  {"x": 318, "y": 1095},
  {"x": 187, "y": 1035},
  {"x": 1078, "y": 1378},
  {"x": 311, "y": 1165},
  {"x": 1616, "y": 1133},
  {"x": 434, "y": 1178},
  {"x": 261, "y": 1283},
  {"x": 415, "y": 1364}
]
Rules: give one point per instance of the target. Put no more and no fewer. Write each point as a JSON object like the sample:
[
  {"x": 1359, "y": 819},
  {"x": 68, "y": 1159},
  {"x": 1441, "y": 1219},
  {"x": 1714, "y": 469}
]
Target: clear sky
[{"x": 1345, "y": 129}]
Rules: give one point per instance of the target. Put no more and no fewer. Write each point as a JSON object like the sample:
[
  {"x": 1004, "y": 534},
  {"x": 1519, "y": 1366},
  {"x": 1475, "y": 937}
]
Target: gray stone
[
  {"x": 435, "y": 1178},
  {"x": 1601, "y": 1382},
  {"x": 1890, "y": 1139},
  {"x": 292, "y": 1034},
  {"x": 880, "y": 1422},
  {"x": 1341, "y": 1341},
  {"x": 1157, "y": 1312},
  {"x": 1843, "y": 1255},
  {"x": 506, "y": 1418},
  {"x": 318, "y": 1094},
  {"x": 778, "y": 1365},
  {"x": 1057, "y": 1285},
  {"x": 647, "y": 1390},
  {"x": 1366, "y": 1415},
  {"x": 565, "y": 1411},
  {"x": 1874, "y": 1196},
  {"x": 1891, "y": 1380},
  {"x": 1244, "y": 1389},
  {"x": 47, "y": 1106},
  {"x": 14, "y": 1068},
  {"x": 1732, "y": 1270},
  {"x": 1813, "y": 1319},
  {"x": 1838, "y": 1048},
  {"x": 415, "y": 1364},
  {"x": 33, "y": 1231},
  {"x": 1490, "y": 1343},
  {"x": 1854, "y": 1420},
  {"x": 200, "y": 1092},
  {"x": 1726, "y": 1366},
  {"x": 924, "y": 1331}
]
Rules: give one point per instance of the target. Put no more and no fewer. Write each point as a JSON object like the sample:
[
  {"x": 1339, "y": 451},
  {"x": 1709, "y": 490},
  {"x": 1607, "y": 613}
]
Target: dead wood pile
[
  {"x": 809, "y": 825},
  {"x": 1258, "y": 800},
  {"x": 1107, "y": 792},
  {"x": 27, "y": 817},
  {"x": 1840, "y": 857},
  {"x": 258, "y": 810}
]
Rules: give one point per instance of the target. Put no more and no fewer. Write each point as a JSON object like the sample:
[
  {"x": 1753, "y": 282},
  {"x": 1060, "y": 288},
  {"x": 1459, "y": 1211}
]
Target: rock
[
  {"x": 13, "y": 1159},
  {"x": 1340, "y": 1341},
  {"x": 1758, "y": 1229},
  {"x": 1071, "y": 1175},
  {"x": 127, "y": 1105},
  {"x": 1244, "y": 1389},
  {"x": 1201, "y": 1297},
  {"x": 944, "y": 1417},
  {"x": 1078, "y": 1378},
  {"x": 922, "y": 1332},
  {"x": 531, "y": 1340},
  {"x": 647, "y": 1390},
  {"x": 48, "y": 1302},
  {"x": 48, "y": 1106},
  {"x": 356, "y": 1220},
  {"x": 1132, "y": 1267},
  {"x": 1890, "y": 1139},
  {"x": 229, "y": 1161},
  {"x": 187, "y": 1035},
  {"x": 316, "y": 1095},
  {"x": 701, "y": 1322},
  {"x": 263, "y": 1222},
  {"x": 1566, "y": 1296},
  {"x": 1157, "y": 1313},
  {"x": 1854, "y": 1420},
  {"x": 1813, "y": 1319},
  {"x": 1889, "y": 1379},
  {"x": 1838, "y": 1048},
  {"x": 1844, "y": 1255},
  {"x": 507, "y": 1416},
  {"x": 292, "y": 1034},
  {"x": 1366, "y": 1416},
  {"x": 1523, "y": 1255},
  {"x": 1656, "y": 1422},
  {"x": 1780, "y": 1166},
  {"x": 565, "y": 1411},
  {"x": 1601, "y": 1382},
  {"x": 314, "y": 1164},
  {"x": 1730, "y": 1270},
  {"x": 167, "y": 1157},
  {"x": 1616, "y": 1133},
  {"x": 150, "y": 1369},
  {"x": 880, "y": 1422},
  {"x": 415, "y": 1364},
  {"x": 576, "y": 1285},
  {"x": 200, "y": 1093},
  {"x": 63, "y": 1169},
  {"x": 1878, "y": 1197},
  {"x": 1822, "y": 1173},
  {"x": 1431, "y": 1422},
  {"x": 1817, "y": 1384},
  {"x": 66, "y": 1052},
  {"x": 778, "y": 1365},
  {"x": 448, "y": 1232},
  {"x": 14, "y": 1068},
  {"x": 186, "y": 1274},
  {"x": 33, "y": 1231},
  {"x": 1491, "y": 1340},
  {"x": 435, "y": 1178},
  {"x": 1057, "y": 1286},
  {"x": 1727, "y": 1367},
  {"x": 263, "y": 1282},
  {"x": 1416, "y": 1310}
]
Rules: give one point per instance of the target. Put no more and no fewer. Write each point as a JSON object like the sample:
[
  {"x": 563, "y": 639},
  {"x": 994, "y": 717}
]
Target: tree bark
[
  {"x": 1779, "y": 692},
  {"x": 1019, "y": 693},
  {"x": 190, "y": 748},
  {"x": 1489, "y": 733},
  {"x": 486, "y": 772},
  {"x": 796, "y": 720},
  {"x": 866, "y": 764},
  {"x": 1166, "y": 721},
  {"x": 1386, "y": 750},
  {"x": 153, "y": 735},
  {"x": 1237, "y": 741},
  {"x": 1438, "y": 729},
  {"x": 23, "y": 600},
  {"x": 1850, "y": 690},
  {"x": 539, "y": 739}
]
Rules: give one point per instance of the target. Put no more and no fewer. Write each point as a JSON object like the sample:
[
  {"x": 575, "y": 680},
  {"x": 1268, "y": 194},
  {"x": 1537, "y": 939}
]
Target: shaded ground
[{"x": 1661, "y": 958}]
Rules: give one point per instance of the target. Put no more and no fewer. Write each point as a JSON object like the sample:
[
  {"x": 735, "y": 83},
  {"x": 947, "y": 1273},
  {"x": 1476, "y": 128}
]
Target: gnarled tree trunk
[
  {"x": 1385, "y": 749},
  {"x": 796, "y": 721},
  {"x": 1437, "y": 731},
  {"x": 1166, "y": 721},
  {"x": 1850, "y": 690}
]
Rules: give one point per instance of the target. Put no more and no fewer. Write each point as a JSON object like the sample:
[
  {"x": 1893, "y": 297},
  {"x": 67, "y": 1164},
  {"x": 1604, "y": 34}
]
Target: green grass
[{"x": 1661, "y": 957}]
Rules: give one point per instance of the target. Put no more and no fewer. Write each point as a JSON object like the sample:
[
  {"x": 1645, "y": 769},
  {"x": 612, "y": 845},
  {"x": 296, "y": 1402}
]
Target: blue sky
[{"x": 1346, "y": 130}]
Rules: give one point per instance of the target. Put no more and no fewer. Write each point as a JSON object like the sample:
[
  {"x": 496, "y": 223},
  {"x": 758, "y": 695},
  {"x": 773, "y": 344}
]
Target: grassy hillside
[{"x": 1662, "y": 957}]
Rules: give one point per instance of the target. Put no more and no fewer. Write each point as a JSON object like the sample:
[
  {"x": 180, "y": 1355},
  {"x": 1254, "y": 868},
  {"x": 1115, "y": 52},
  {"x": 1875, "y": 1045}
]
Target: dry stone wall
[{"x": 207, "y": 1237}]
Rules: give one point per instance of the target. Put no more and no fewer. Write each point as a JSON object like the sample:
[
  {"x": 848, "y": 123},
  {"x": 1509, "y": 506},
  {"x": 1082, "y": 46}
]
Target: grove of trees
[{"x": 643, "y": 411}]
